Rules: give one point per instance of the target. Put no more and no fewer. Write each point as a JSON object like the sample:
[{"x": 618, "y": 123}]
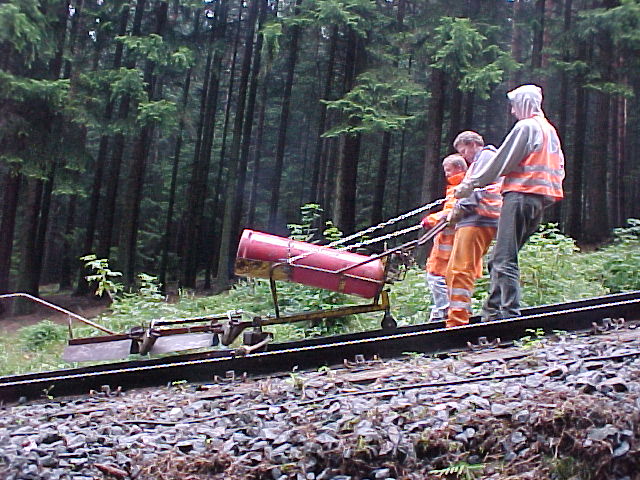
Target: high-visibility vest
[
  {"x": 443, "y": 242},
  {"x": 441, "y": 252},
  {"x": 490, "y": 201},
  {"x": 541, "y": 172},
  {"x": 449, "y": 202}
]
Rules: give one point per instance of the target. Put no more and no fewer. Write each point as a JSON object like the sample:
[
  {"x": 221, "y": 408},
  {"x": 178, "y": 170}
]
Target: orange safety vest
[
  {"x": 443, "y": 243},
  {"x": 490, "y": 201},
  {"x": 440, "y": 252},
  {"x": 541, "y": 172}
]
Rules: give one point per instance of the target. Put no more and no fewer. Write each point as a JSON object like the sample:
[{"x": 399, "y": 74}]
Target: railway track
[{"x": 425, "y": 338}]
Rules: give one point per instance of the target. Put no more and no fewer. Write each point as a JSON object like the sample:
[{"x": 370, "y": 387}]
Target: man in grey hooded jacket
[{"x": 532, "y": 163}]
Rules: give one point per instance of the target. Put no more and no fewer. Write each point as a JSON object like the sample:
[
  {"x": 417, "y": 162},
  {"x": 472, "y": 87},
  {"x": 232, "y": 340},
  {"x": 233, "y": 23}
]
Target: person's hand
[
  {"x": 427, "y": 223},
  {"x": 454, "y": 216},
  {"x": 463, "y": 190}
]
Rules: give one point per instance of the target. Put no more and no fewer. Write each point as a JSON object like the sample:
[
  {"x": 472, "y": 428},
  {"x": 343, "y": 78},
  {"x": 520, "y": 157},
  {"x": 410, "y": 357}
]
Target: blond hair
[
  {"x": 456, "y": 161},
  {"x": 467, "y": 137}
]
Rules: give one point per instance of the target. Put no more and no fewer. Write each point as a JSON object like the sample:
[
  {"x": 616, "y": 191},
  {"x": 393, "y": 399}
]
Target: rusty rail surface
[{"x": 282, "y": 357}]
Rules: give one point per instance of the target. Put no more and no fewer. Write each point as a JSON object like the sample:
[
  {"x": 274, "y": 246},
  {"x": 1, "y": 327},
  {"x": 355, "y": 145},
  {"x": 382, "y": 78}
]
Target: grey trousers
[
  {"x": 519, "y": 219},
  {"x": 440, "y": 297}
]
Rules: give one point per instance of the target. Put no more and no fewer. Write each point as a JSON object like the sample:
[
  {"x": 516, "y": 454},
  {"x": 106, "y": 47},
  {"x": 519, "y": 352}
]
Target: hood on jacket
[{"x": 526, "y": 101}]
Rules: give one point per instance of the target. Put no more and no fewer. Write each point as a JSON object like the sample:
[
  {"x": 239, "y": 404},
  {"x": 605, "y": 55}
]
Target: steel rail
[{"x": 425, "y": 338}]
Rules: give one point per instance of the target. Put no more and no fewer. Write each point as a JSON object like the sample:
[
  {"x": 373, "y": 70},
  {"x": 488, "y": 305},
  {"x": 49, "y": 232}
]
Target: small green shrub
[
  {"x": 39, "y": 336},
  {"x": 551, "y": 271},
  {"x": 102, "y": 276},
  {"x": 620, "y": 261}
]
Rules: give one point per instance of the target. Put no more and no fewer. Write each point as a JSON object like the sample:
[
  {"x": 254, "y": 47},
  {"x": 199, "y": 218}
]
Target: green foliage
[
  {"x": 460, "y": 470},
  {"x": 36, "y": 337},
  {"x": 154, "y": 48},
  {"x": 146, "y": 297},
  {"x": 550, "y": 270},
  {"x": 621, "y": 23},
  {"x": 103, "y": 276},
  {"x": 617, "y": 265},
  {"x": 464, "y": 53},
  {"x": 21, "y": 89},
  {"x": 305, "y": 231},
  {"x": 126, "y": 82},
  {"x": 161, "y": 112},
  {"x": 533, "y": 340},
  {"x": 272, "y": 34},
  {"x": 331, "y": 232},
  {"x": 21, "y": 25},
  {"x": 374, "y": 105},
  {"x": 354, "y": 14}
]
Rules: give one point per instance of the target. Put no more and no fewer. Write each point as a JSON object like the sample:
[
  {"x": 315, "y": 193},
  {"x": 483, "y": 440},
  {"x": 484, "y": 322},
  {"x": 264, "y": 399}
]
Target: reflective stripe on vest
[
  {"x": 541, "y": 172},
  {"x": 490, "y": 201}
]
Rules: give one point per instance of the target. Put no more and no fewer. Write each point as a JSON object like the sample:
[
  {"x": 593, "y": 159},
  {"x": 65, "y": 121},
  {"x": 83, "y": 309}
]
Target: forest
[{"x": 151, "y": 132}]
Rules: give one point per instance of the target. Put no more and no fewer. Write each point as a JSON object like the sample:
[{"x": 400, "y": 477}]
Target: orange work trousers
[{"x": 465, "y": 266}]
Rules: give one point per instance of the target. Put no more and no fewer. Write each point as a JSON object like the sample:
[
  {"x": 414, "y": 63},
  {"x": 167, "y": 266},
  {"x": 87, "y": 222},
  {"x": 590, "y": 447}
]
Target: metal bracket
[
  {"x": 607, "y": 324},
  {"x": 483, "y": 344}
]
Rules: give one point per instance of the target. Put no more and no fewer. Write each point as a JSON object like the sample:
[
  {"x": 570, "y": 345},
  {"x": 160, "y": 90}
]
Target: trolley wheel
[{"x": 388, "y": 322}]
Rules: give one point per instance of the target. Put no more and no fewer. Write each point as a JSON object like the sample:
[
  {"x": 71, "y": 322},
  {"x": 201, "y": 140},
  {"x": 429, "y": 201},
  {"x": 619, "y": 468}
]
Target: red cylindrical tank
[{"x": 311, "y": 265}]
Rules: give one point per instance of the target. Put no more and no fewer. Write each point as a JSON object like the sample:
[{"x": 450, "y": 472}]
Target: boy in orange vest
[
  {"x": 455, "y": 168},
  {"x": 476, "y": 221},
  {"x": 532, "y": 163}
]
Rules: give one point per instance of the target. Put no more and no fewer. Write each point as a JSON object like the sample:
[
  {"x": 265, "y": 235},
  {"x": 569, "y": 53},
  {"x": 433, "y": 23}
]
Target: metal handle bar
[{"x": 59, "y": 309}]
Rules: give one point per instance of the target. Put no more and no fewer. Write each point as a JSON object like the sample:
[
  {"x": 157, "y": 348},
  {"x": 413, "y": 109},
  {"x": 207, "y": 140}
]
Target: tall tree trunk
[
  {"x": 622, "y": 154},
  {"x": 237, "y": 169},
  {"x": 168, "y": 226},
  {"x": 248, "y": 125},
  {"x": 7, "y": 228},
  {"x": 597, "y": 215},
  {"x": 67, "y": 261},
  {"x": 113, "y": 179},
  {"x": 221, "y": 180},
  {"x": 576, "y": 167},
  {"x": 101, "y": 160},
  {"x": 596, "y": 226},
  {"x": 27, "y": 281},
  {"x": 468, "y": 111},
  {"x": 196, "y": 194},
  {"x": 455, "y": 112},
  {"x": 381, "y": 180},
  {"x": 516, "y": 41},
  {"x": 133, "y": 195},
  {"x": 432, "y": 181},
  {"x": 332, "y": 150},
  {"x": 43, "y": 224},
  {"x": 322, "y": 120},
  {"x": 294, "y": 35},
  {"x": 399, "y": 189},
  {"x": 538, "y": 36},
  {"x": 253, "y": 194},
  {"x": 345, "y": 204}
]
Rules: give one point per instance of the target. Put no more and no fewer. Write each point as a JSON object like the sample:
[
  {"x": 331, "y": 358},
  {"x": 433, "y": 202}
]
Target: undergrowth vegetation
[{"x": 552, "y": 270}]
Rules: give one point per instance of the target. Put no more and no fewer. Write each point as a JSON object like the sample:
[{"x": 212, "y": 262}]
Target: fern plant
[{"x": 460, "y": 470}]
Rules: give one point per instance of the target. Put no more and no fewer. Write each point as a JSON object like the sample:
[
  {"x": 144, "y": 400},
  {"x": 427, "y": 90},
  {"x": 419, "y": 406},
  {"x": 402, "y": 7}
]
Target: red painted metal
[{"x": 316, "y": 266}]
